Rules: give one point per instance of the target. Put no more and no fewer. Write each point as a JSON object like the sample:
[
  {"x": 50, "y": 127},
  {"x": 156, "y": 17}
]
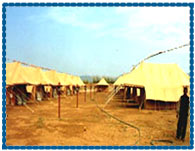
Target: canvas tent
[
  {"x": 161, "y": 82},
  {"x": 79, "y": 81},
  {"x": 102, "y": 85},
  {"x": 102, "y": 82},
  {"x": 25, "y": 77},
  {"x": 18, "y": 74}
]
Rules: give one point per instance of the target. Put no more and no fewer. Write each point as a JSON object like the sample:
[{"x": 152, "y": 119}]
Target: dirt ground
[{"x": 87, "y": 125}]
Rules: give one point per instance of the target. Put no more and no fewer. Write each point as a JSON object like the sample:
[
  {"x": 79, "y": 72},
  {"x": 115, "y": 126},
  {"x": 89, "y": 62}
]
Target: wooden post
[
  {"x": 85, "y": 93},
  {"x": 90, "y": 91},
  {"x": 34, "y": 92},
  {"x": 93, "y": 92},
  {"x": 58, "y": 99},
  {"x": 77, "y": 103},
  {"x": 50, "y": 93}
]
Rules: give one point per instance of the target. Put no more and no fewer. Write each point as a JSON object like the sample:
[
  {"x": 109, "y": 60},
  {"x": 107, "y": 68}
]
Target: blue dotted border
[{"x": 190, "y": 5}]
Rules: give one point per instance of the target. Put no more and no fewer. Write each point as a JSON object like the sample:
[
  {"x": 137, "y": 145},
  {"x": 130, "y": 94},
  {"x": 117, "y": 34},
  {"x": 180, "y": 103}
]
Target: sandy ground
[{"x": 87, "y": 125}]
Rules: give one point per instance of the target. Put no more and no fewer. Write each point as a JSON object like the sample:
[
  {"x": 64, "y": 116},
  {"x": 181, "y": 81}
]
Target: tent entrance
[{"x": 134, "y": 96}]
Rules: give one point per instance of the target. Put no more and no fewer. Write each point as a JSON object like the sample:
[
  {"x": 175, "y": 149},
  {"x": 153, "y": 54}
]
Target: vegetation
[
  {"x": 86, "y": 81},
  {"x": 96, "y": 79},
  {"x": 110, "y": 80}
]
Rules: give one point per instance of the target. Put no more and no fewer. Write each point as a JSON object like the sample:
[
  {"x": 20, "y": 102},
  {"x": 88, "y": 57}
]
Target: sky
[{"x": 103, "y": 41}]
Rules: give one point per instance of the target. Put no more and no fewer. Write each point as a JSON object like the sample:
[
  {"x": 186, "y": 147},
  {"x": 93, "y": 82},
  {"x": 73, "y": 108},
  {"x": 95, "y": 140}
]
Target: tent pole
[
  {"x": 165, "y": 105},
  {"x": 65, "y": 90},
  {"x": 124, "y": 94},
  {"x": 13, "y": 100},
  {"x": 155, "y": 105},
  {"x": 59, "y": 100}
]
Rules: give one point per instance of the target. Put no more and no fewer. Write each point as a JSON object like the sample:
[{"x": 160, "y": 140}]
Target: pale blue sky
[{"x": 96, "y": 41}]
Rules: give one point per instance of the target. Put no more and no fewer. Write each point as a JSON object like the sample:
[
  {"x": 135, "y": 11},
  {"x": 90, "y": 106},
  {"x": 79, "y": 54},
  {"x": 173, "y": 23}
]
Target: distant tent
[
  {"x": 161, "y": 82},
  {"x": 102, "y": 82},
  {"x": 102, "y": 85}
]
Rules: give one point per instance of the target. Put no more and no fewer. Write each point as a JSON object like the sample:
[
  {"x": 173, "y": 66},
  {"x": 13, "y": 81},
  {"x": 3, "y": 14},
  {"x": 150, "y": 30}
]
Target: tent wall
[
  {"x": 132, "y": 94},
  {"x": 102, "y": 88},
  {"x": 160, "y": 105}
]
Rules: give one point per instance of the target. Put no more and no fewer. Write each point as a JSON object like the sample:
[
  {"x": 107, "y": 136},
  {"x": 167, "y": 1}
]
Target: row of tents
[
  {"x": 147, "y": 84},
  {"x": 19, "y": 74},
  {"x": 162, "y": 83},
  {"x": 32, "y": 82}
]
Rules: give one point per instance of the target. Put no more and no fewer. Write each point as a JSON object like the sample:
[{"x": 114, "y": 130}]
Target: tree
[{"x": 96, "y": 79}]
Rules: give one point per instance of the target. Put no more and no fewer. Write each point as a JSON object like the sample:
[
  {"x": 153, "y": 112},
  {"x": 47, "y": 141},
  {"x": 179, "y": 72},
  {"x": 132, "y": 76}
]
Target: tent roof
[
  {"x": 18, "y": 74},
  {"x": 161, "y": 81},
  {"x": 120, "y": 80},
  {"x": 80, "y": 82},
  {"x": 52, "y": 76},
  {"x": 77, "y": 81},
  {"x": 10, "y": 69},
  {"x": 102, "y": 82},
  {"x": 64, "y": 79}
]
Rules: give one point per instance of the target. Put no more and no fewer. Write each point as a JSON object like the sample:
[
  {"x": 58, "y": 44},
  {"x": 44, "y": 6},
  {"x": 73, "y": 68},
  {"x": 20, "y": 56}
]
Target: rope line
[
  {"x": 158, "y": 53},
  {"x": 119, "y": 120},
  {"x": 27, "y": 64}
]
